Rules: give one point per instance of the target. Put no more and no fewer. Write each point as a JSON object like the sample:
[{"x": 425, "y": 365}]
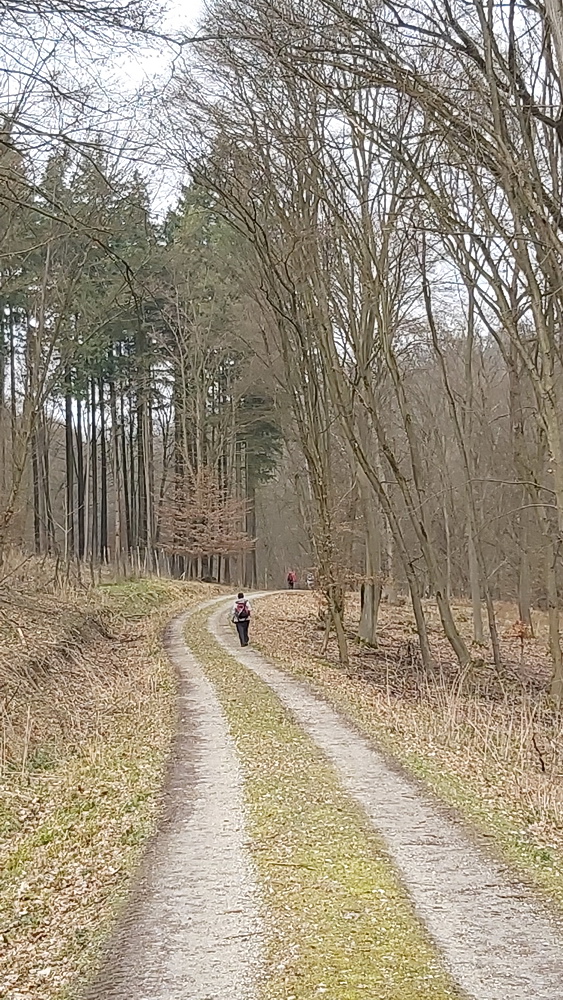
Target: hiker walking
[
  {"x": 291, "y": 579},
  {"x": 241, "y": 617}
]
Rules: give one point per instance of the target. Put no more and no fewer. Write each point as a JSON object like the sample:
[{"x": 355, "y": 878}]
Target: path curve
[
  {"x": 192, "y": 928},
  {"x": 497, "y": 944}
]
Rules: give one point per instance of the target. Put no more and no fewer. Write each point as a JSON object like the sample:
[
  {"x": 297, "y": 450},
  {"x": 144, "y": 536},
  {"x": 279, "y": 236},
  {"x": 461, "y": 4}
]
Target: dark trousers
[
  {"x": 242, "y": 629},
  {"x": 290, "y": 584}
]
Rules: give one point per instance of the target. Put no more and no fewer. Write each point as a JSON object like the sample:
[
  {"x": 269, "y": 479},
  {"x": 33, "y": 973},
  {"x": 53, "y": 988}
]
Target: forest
[
  {"x": 281, "y": 291},
  {"x": 353, "y": 303}
]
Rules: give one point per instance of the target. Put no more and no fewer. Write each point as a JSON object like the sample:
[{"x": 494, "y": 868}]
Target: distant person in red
[
  {"x": 241, "y": 617},
  {"x": 291, "y": 579}
]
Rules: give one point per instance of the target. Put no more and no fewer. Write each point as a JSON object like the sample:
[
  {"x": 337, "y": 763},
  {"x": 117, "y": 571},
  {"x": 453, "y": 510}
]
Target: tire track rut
[
  {"x": 192, "y": 929},
  {"x": 496, "y": 941}
]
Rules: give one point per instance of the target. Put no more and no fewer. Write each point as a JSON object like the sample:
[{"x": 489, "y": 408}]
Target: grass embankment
[
  {"x": 340, "y": 925},
  {"x": 88, "y": 716},
  {"x": 479, "y": 741}
]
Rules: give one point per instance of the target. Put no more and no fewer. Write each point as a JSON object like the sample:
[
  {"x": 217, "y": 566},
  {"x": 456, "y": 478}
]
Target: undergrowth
[{"x": 339, "y": 923}]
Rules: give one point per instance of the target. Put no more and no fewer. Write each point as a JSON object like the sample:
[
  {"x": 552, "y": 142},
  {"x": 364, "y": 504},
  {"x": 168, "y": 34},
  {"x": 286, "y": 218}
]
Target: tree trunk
[
  {"x": 556, "y": 687},
  {"x": 390, "y": 587},
  {"x": 528, "y": 474},
  {"x": 448, "y": 536},
  {"x": 94, "y": 539},
  {"x": 46, "y": 486},
  {"x": 88, "y": 455},
  {"x": 148, "y": 473},
  {"x": 141, "y": 477},
  {"x": 69, "y": 462},
  {"x": 250, "y": 573},
  {"x": 116, "y": 471},
  {"x": 474, "y": 586},
  {"x": 524, "y": 582},
  {"x": 81, "y": 482},
  {"x": 554, "y": 10},
  {"x": 103, "y": 476},
  {"x": 367, "y": 630},
  {"x": 13, "y": 389},
  {"x": 133, "y": 496},
  {"x": 125, "y": 476},
  {"x": 36, "y": 496}
]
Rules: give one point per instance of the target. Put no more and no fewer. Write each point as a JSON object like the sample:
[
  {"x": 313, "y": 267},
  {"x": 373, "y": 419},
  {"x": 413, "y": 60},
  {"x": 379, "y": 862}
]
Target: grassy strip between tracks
[{"x": 340, "y": 924}]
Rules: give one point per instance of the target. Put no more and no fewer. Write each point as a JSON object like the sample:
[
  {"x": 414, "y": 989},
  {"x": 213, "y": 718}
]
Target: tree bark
[
  {"x": 103, "y": 475},
  {"x": 117, "y": 481},
  {"x": 474, "y": 586},
  {"x": 36, "y": 495},
  {"x": 367, "y": 629},
  {"x": 94, "y": 527},
  {"x": 69, "y": 463},
  {"x": 46, "y": 487},
  {"x": 80, "y": 482}
]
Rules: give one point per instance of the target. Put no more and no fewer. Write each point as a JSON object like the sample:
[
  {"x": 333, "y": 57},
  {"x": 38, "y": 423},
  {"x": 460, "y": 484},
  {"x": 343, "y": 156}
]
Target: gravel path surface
[
  {"x": 192, "y": 930},
  {"x": 497, "y": 943}
]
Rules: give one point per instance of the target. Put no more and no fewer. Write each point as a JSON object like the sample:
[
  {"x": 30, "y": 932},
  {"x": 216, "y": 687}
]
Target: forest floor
[
  {"x": 488, "y": 744},
  {"x": 88, "y": 713}
]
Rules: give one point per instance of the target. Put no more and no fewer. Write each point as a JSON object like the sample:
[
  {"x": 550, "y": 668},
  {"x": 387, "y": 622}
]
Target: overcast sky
[
  {"x": 182, "y": 16},
  {"x": 150, "y": 69}
]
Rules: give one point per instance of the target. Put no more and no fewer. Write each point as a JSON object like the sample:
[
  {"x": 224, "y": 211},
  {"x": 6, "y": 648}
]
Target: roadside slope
[{"x": 89, "y": 713}]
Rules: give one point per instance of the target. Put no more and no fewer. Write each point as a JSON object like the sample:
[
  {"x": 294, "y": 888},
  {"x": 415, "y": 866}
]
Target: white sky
[
  {"x": 150, "y": 70},
  {"x": 123, "y": 88},
  {"x": 182, "y": 17}
]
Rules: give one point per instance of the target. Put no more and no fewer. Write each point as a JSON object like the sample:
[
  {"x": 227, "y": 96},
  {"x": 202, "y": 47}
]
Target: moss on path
[{"x": 340, "y": 924}]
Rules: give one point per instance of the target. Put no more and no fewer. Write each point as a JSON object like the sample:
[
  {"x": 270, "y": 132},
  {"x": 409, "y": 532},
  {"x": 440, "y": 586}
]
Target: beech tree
[{"x": 375, "y": 179}]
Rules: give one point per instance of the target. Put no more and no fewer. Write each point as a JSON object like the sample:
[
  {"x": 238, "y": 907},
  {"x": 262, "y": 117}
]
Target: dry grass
[
  {"x": 88, "y": 713},
  {"x": 490, "y": 745}
]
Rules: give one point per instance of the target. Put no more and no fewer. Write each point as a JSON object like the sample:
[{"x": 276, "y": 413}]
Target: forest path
[
  {"x": 496, "y": 941},
  {"x": 191, "y": 930}
]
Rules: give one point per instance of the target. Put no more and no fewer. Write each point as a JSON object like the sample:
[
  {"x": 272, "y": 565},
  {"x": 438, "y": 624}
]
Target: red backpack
[{"x": 242, "y": 611}]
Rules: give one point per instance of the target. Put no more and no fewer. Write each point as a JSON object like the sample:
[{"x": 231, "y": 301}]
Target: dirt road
[
  {"x": 496, "y": 942},
  {"x": 193, "y": 928}
]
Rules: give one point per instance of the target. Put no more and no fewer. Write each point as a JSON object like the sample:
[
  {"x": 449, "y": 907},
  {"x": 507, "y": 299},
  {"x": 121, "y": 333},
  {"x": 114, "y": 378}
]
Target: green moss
[
  {"x": 134, "y": 598},
  {"x": 340, "y": 924}
]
